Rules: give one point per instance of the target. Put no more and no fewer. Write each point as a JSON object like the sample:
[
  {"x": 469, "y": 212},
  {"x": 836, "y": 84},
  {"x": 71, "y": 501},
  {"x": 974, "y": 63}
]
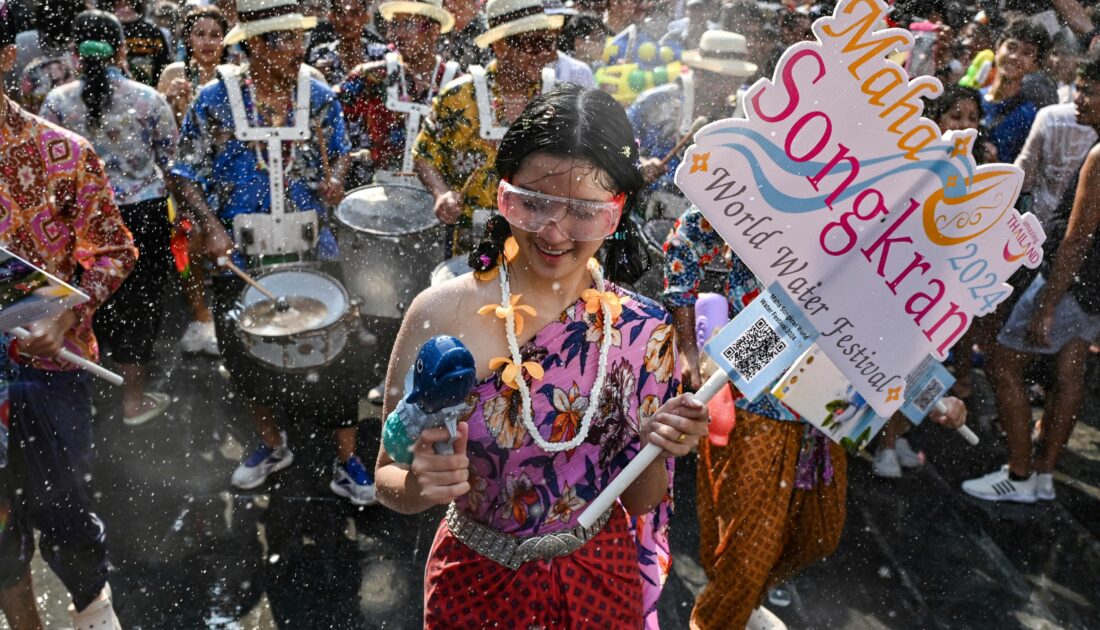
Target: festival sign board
[{"x": 885, "y": 232}]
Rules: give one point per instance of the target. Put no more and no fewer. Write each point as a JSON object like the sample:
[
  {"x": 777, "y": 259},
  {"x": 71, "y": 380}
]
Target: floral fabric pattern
[
  {"x": 692, "y": 245},
  {"x": 136, "y": 139},
  {"x": 57, "y": 211},
  {"x": 370, "y": 124},
  {"x": 450, "y": 140},
  {"x": 518, "y": 488}
]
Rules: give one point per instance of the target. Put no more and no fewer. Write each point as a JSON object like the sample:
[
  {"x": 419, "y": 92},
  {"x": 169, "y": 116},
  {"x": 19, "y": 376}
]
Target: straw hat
[
  {"x": 721, "y": 52},
  {"x": 428, "y": 8},
  {"x": 256, "y": 17},
  {"x": 512, "y": 17}
]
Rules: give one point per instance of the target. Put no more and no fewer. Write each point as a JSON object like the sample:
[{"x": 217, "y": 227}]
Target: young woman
[
  {"x": 131, "y": 127},
  {"x": 575, "y": 375},
  {"x": 204, "y": 28}
]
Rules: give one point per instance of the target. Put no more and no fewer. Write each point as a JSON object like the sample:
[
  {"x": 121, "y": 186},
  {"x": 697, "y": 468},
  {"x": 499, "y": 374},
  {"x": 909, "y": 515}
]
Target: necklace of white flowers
[{"x": 510, "y": 310}]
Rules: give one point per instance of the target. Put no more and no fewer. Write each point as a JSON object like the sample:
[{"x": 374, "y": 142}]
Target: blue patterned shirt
[{"x": 230, "y": 171}]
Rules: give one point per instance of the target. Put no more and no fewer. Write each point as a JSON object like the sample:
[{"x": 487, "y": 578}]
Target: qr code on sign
[
  {"x": 927, "y": 396},
  {"x": 754, "y": 349}
]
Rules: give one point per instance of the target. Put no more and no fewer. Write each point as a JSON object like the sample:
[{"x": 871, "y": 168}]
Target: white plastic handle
[
  {"x": 93, "y": 368},
  {"x": 964, "y": 430},
  {"x": 641, "y": 461}
]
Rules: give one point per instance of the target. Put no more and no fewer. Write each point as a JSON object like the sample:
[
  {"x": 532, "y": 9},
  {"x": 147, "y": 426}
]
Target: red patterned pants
[{"x": 597, "y": 586}]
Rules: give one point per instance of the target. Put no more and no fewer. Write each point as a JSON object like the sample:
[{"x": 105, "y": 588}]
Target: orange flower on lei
[
  {"x": 510, "y": 375},
  {"x": 514, "y": 307}
]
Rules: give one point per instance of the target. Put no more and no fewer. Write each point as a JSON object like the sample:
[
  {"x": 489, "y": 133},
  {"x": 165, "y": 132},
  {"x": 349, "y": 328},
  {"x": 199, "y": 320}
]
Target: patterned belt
[{"x": 512, "y": 551}]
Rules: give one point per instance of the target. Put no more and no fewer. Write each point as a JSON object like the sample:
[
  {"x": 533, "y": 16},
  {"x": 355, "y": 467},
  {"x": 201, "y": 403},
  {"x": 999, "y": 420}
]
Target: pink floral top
[{"x": 518, "y": 488}]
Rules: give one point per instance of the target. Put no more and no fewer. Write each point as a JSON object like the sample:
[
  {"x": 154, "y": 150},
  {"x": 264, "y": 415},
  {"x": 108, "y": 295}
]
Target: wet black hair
[
  {"x": 1089, "y": 67},
  {"x": 583, "y": 124},
  {"x": 7, "y": 24},
  {"x": 1029, "y": 32},
  {"x": 97, "y": 26},
  {"x": 579, "y": 26}
]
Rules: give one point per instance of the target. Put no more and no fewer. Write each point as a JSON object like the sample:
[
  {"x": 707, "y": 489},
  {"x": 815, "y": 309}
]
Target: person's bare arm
[
  {"x": 448, "y": 207},
  {"x": 191, "y": 198},
  {"x": 1083, "y": 221},
  {"x": 431, "y": 479},
  {"x": 1074, "y": 16},
  {"x": 683, "y": 321}
]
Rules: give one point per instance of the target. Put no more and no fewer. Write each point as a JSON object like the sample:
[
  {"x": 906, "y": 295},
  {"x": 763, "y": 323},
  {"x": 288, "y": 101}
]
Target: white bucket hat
[
  {"x": 512, "y": 17},
  {"x": 428, "y": 8},
  {"x": 256, "y": 17},
  {"x": 721, "y": 52}
]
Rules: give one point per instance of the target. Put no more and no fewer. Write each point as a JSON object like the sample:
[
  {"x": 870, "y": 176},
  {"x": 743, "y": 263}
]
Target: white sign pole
[{"x": 642, "y": 460}]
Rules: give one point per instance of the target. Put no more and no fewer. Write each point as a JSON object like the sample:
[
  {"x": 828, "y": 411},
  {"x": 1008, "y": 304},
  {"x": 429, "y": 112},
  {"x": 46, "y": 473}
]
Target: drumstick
[
  {"x": 93, "y": 368},
  {"x": 642, "y": 460},
  {"x": 695, "y": 127},
  {"x": 224, "y": 261}
]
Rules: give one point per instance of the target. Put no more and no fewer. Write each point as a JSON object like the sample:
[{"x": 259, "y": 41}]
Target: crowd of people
[{"x": 139, "y": 140}]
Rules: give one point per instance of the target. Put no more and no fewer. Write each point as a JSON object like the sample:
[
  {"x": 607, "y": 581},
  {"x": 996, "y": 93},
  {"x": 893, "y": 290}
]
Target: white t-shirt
[{"x": 1055, "y": 148}]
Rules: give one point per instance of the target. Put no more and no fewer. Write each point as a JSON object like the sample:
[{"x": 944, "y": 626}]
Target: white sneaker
[
  {"x": 764, "y": 619},
  {"x": 99, "y": 615},
  {"x": 886, "y": 464},
  {"x": 998, "y": 486},
  {"x": 253, "y": 472},
  {"x": 199, "y": 337},
  {"x": 1044, "y": 486},
  {"x": 907, "y": 457}
]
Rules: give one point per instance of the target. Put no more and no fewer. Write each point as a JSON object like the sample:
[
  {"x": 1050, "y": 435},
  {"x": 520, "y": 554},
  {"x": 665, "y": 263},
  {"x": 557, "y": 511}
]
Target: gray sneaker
[
  {"x": 886, "y": 464},
  {"x": 998, "y": 486},
  {"x": 253, "y": 472},
  {"x": 907, "y": 457},
  {"x": 1044, "y": 486}
]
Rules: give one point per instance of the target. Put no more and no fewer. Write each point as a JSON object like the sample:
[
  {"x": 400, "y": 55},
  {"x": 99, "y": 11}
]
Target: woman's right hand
[{"x": 442, "y": 478}]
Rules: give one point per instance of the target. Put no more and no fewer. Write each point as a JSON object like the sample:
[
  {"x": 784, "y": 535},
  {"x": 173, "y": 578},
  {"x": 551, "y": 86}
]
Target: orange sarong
[{"x": 756, "y": 528}]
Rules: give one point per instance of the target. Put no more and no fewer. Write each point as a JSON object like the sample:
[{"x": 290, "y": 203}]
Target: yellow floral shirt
[{"x": 450, "y": 140}]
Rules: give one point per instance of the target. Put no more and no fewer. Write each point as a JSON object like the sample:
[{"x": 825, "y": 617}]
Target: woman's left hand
[{"x": 677, "y": 426}]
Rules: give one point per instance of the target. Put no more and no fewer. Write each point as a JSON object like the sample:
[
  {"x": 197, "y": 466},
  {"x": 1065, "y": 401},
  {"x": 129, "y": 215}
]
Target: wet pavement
[{"x": 190, "y": 552}]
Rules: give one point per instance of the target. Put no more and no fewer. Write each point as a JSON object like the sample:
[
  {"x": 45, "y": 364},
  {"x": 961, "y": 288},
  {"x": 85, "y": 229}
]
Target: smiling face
[
  {"x": 1016, "y": 59},
  {"x": 548, "y": 253},
  {"x": 413, "y": 34},
  {"x": 206, "y": 41}
]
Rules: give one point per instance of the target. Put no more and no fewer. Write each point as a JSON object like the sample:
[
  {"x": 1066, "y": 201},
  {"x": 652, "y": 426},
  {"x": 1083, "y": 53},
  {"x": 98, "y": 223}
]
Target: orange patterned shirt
[{"x": 57, "y": 211}]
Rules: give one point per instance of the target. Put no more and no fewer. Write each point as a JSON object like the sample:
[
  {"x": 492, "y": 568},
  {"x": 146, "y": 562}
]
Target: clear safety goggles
[{"x": 576, "y": 219}]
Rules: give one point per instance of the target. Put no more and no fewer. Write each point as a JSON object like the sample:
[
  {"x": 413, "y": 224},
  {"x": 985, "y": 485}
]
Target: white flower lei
[{"x": 525, "y": 393}]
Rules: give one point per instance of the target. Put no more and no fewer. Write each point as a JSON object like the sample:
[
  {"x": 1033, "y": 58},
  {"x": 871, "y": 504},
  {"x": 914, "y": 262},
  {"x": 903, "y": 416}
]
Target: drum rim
[{"x": 373, "y": 232}]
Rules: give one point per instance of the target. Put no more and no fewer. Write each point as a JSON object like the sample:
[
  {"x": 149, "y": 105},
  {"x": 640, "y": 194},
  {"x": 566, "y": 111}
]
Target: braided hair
[
  {"x": 99, "y": 37},
  {"x": 582, "y": 124}
]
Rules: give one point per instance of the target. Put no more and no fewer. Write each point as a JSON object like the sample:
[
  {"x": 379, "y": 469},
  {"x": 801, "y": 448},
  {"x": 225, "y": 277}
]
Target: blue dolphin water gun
[{"x": 436, "y": 388}]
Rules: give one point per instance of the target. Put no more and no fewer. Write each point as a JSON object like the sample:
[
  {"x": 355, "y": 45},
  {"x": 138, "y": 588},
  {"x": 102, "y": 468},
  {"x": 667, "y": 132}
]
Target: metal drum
[
  {"x": 308, "y": 332},
  {"x": 389, "y": 240}
]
